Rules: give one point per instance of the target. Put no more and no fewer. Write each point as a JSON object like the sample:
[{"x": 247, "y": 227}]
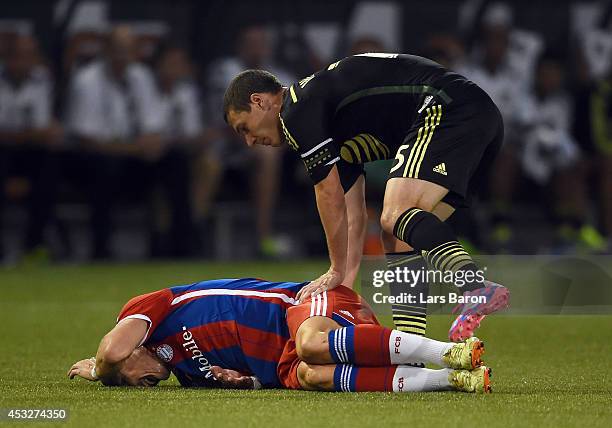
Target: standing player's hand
[
  {"x": 84, "y": 369},
  {"x": 231, "y": 379},
  {"x": 328, "y": 281}
]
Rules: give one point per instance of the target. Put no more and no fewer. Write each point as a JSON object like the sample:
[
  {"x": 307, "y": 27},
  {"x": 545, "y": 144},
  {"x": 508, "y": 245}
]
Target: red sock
[
  {"x": 361, "y": 379},
  {"x": 362, "y": 345}
]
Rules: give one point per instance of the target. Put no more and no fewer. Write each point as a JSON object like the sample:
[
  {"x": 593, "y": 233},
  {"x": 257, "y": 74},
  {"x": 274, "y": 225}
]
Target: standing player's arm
[
  {"x": 332, "y": 210},
  {"x": 118, "y": 344},
  {"x": 357, "y": 222}
]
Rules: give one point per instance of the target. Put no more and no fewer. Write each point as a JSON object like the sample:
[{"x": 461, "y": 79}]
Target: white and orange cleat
[
  {"x": 477, "y": 380},
  {"x": 464, "y": 356}
]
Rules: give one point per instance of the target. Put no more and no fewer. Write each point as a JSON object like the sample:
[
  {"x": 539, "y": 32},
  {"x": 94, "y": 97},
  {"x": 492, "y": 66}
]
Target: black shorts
[{"x": 453, "y": 144}]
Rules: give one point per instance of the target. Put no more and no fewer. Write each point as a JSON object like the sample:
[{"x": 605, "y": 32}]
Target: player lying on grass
[{"x": 248, "y": 332}]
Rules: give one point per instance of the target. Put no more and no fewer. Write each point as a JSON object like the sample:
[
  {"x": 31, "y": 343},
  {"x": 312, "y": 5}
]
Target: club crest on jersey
[
  {"x": 428, "y": 99},
  {"x": 165, "y": 352}
]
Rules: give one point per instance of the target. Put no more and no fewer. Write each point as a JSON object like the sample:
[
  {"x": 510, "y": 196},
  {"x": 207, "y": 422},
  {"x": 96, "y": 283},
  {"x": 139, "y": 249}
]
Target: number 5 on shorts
[{"x": 399, "y": 157}]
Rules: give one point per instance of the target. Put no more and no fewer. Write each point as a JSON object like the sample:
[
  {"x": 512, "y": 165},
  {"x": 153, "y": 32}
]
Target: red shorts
[{"x": 341, "y": 304}]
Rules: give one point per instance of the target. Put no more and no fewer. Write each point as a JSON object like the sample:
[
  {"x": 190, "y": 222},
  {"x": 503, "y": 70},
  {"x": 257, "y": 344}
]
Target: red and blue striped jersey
[{"x": 237, "y": 324}]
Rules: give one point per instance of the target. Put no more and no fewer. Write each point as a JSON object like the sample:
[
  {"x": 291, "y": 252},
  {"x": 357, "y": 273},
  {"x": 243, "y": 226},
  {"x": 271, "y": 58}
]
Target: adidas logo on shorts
[{"x": 440, "y": 169}]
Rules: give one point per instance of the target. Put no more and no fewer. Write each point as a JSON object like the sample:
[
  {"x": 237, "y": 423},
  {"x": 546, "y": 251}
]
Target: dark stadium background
[{"x": 209, "y": 31}]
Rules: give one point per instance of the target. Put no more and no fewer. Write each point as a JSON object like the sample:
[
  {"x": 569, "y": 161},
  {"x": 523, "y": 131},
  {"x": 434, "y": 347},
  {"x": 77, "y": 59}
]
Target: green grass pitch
[{"x": 548, "y": 370}]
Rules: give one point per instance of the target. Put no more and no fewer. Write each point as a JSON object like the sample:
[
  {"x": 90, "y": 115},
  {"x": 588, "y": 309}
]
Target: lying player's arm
[
  {"x": 332, "y": 210},
  {"x": 118, "y": 344},
  {"x": 357, "y": 221},
  {"x": 115, "y": 347}
]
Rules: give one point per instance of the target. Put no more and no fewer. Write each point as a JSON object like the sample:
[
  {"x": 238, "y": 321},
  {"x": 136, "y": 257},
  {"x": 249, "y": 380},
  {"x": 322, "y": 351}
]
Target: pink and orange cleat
[{"x": 496, "y": 298}]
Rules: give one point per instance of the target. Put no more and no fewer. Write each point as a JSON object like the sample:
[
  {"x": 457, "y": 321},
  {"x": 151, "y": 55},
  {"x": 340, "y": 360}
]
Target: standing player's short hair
[{"x": 238, "y": 93}]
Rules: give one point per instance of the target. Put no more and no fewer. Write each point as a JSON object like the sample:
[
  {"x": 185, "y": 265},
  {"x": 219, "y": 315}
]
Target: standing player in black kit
[{"x": 442, "y": 130}]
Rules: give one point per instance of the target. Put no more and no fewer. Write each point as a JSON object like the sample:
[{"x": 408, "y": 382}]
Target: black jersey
[{"x": 360, "y": 108}]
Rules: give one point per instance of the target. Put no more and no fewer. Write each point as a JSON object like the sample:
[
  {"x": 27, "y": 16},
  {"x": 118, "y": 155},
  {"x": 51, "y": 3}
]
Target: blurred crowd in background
[{"x": 113, "y": 144}]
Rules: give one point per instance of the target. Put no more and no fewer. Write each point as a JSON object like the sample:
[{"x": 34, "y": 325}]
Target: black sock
[
  {"x": 409, "y": 317},
  {"x": 424, "y": 232}
]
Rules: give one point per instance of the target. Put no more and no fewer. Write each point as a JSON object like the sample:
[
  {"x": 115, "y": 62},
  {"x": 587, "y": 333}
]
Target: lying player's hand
[
  {"x": 231, "y": 379},
  {"x": 328, "y": 281},
  {"x": 83, "y": 369}
]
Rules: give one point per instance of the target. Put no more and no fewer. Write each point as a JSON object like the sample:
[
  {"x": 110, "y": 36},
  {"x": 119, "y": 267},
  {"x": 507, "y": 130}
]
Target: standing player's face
[
  {"x": 258, "y": 126},
  {"x": 142, "y": 368}
]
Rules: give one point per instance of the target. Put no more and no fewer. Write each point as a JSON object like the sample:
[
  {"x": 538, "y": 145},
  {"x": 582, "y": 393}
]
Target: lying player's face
[
  {"x": 258, "y": 126},
  {"x": 142, "y": 368}
]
